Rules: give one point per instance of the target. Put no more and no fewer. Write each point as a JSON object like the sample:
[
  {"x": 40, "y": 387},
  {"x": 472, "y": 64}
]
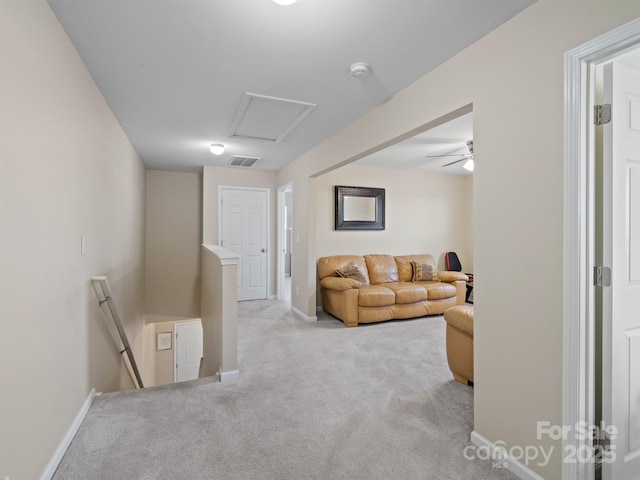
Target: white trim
[
  {"x": 224, "y": 256},
  {"x": 302, "y": 316},
  {"x": 574, "y": 392},
  {"x": 280, "y": 239},
  {"x": 53, "y": 464},
  {"x": 578, "y": 354},
  {"x": 513, "y": 465},
  {"x": 229, "y": 376},
  {"x": 279, "y": 243},
  {"x": 272, "y": 297}
]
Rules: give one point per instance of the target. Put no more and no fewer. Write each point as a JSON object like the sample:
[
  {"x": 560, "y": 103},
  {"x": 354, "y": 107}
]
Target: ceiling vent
[
  {"x": 240, "y": 161},
  {"x": 268, "y": 118}
]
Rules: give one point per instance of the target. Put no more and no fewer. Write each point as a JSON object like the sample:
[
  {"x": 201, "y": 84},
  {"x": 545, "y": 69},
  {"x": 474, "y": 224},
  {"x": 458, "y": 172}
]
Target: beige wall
[
  {"x": 159, "y": 364},
  {"x": 214, "y": 177},
  {"x": 425, "y": 213},
  {"x": 514, "y": 78},
  {"x": 173, "y": 238},
  {"x": 67, "y": 171},
  {"x": 219, "y": 311}
]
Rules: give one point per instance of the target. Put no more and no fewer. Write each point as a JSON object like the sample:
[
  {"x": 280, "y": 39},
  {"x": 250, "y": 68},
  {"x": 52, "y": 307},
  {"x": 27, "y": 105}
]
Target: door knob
[{"x": 263, "y": 250}]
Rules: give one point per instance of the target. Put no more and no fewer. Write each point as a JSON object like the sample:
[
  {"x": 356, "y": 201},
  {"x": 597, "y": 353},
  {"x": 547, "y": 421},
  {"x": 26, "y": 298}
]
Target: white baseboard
[
  {"x": 229, "y": 376},
  {"x": 272, "y": 297},
  {"x": 53, "y": 464},
  {"x": 514, "y": 466},
  {"x": 302, "y": 316}
]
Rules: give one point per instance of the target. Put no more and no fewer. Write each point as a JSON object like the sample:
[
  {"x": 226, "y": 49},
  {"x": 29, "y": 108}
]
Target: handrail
[{"x": 105, "y": 297}]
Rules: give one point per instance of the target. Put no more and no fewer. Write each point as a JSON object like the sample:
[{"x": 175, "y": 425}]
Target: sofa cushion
[
  {"x": 405, "y": 269},
  {"x": 327, "y": 266},
  {"x": 439, "y": 290},
  {"x": 339, "y": 283},
  {"x": 407, "y": 292},
  {"x": 375, "y": 296},
  {"x": 452, "y": 276},
  {"x": 460, "y": 317},
  {"x": 381, "y": 268},
  {"x": 423, "y": 272},
  {"x": 354, "y": 272}
]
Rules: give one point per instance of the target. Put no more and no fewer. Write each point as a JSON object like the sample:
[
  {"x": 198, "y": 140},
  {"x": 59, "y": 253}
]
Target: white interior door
[
  {"x": 244, "y": 231},
  {"x": 187, "y": 350},
  {"x": 621, "y": 251}
]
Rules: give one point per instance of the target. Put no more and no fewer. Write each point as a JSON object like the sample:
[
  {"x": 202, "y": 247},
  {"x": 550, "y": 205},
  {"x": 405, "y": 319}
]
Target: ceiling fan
[{"x": 466, "y": 157}]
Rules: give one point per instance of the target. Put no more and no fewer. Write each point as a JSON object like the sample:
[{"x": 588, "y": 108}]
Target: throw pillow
[
  {"x": 352, "y": 271},
  {"x": 423, "y": 272}
]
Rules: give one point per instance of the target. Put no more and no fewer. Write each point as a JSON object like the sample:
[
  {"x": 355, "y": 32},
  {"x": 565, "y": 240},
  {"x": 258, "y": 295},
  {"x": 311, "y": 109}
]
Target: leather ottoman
[{"x": 460, "y": 342}]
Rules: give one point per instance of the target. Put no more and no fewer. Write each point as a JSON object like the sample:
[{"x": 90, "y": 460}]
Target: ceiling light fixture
[
  {"x": 468, "y": 165},
  {"x": 285, "y": 2},
  {"x": 216, "y": 148}
]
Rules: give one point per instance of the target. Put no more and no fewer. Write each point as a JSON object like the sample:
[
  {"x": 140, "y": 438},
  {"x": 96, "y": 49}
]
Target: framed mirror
[{"x": 359, "y": 208}]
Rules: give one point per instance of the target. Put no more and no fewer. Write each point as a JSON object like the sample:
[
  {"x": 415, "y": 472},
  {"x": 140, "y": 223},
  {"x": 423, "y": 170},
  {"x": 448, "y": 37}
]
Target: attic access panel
[{"x": 262, "y": 117}]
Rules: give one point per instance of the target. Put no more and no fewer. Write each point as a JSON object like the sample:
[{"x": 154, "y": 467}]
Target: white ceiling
[
  {"x": 175, "y": 72},
  {"x": 447, "y": 139}
]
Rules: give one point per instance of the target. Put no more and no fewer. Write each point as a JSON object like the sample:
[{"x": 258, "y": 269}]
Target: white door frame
[
  {"x": 281, "y": 238},
  {"x": 579, "y": 221},
  {"x": 259, "y": 189}
]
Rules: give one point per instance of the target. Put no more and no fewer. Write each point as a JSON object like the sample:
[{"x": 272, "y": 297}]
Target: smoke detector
[{"x": 359, "y": 70}]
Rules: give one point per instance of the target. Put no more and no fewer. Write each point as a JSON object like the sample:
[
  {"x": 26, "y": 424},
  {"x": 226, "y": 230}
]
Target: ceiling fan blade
[
  {"x": 454, "y": 162},
  {"x": 446, "y": 155}
]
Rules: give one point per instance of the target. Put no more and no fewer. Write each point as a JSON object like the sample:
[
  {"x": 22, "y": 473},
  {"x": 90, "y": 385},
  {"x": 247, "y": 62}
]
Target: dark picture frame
[{"x": 359, "y": 208}]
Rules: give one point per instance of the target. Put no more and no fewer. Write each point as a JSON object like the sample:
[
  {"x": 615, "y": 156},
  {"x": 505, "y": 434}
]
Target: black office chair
[{"x": 453, "y": 265}]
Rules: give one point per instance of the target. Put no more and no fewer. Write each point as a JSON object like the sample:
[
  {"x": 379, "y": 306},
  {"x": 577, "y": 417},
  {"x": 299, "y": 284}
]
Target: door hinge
[
  {"x": 601, "y": 276},
  {"x": 602, "y": 114},
  {"x": 602, "y": 448}
]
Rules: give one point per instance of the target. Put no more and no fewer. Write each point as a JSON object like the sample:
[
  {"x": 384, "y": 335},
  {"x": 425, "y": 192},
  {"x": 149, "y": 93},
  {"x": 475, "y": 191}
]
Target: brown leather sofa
[
  {"x": 386, "y": 288},
  {"x": 460, "y": 342}
]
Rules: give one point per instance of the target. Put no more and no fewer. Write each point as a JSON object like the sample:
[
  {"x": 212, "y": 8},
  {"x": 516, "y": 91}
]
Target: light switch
[{"x": 83, "y": 250}]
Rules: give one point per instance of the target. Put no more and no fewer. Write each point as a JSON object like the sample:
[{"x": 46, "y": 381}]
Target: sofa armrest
[
  {"x": 446, "y": 276},
  {"x": 339, "y": 283}
]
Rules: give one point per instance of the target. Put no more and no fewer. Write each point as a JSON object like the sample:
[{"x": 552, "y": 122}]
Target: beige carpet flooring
[{"x": 315, "y": 400}]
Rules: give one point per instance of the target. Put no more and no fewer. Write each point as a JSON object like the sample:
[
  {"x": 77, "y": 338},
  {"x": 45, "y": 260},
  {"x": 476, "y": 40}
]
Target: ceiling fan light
[
  {"x": 216, "y": 148},
  {"x": 468, "y": 165},
  {"x": 285, "y": 2}
]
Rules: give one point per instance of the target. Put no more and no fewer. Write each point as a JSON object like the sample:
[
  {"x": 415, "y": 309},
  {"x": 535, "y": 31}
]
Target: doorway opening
[
  {"x": 586, "y": 315},
  {"x": 285, "y": 242}
]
